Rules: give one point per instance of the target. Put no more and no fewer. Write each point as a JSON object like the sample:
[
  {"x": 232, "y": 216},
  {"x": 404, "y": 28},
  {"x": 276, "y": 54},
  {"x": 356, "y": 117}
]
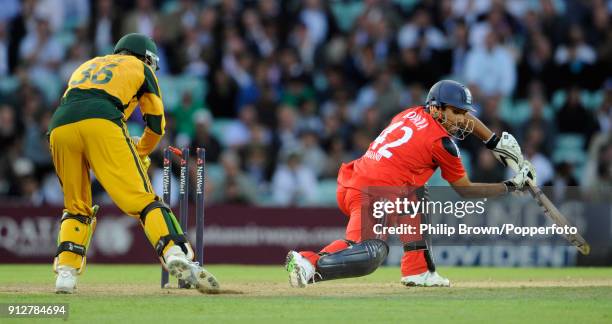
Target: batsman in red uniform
[{"x": 406, "y": 154}]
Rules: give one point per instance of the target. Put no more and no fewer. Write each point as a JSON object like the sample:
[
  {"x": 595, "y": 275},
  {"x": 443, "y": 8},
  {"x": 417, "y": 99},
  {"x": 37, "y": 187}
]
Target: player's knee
[
  {"x": 151, "y": 206},
  {"x": 359, "y": 260}
]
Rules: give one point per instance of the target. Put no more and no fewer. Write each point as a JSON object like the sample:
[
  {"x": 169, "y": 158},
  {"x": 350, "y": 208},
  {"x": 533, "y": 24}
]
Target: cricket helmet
[
  {"x": 140, "y": 46},
  {"x": 450, "y": 93}
]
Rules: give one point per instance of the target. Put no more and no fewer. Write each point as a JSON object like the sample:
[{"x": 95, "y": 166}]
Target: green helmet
[{"x": 141, "y": 46}]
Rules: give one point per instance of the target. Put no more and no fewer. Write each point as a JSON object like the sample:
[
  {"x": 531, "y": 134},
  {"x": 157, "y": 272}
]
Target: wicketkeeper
[
  {"x": 406, "y": 154},
  {"x": 88, "y": 132}
]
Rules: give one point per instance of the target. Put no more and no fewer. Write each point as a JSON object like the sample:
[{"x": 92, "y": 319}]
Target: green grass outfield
[{"x": 254, "y": 294}]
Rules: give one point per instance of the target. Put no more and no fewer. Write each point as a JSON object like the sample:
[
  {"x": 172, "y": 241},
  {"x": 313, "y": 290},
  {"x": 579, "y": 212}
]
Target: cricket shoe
[
  {"x": 425, "y": 279},
  {"x": 184, "y": 269},
  {"x": 300, "y": 270},
  {"x": 66, "y": 280}
]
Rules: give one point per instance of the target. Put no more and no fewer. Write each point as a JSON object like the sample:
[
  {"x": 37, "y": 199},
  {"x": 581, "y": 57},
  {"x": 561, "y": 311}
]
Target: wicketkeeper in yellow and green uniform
[{"x": 88, "y": 132}]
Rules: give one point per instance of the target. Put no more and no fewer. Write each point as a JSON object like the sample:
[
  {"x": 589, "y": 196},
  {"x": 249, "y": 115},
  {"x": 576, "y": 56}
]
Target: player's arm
[
  {"x": 152, "y": 109},
  {"x": 446, "y": 155},
  {"x": 468, "y": 189},
  {"x": 504, "y": 147},
  {"x": 480, "y": 129}
]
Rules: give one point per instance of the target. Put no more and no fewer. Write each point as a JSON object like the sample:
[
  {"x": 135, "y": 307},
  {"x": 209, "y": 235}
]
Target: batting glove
[
  {"x": 505, "y": 148},
  {"x": 526, "y": 172}
]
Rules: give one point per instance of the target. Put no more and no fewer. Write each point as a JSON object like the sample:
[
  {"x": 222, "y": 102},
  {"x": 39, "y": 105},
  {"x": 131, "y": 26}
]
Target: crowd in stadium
[{"x": 280, "y": 93}]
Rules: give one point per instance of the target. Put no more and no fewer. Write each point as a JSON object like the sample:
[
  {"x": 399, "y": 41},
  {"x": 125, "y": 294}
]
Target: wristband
[{"x": 492, "y": 142}]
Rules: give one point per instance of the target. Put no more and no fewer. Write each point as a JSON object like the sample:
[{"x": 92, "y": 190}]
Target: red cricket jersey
[{"x": 406, "y": 153}]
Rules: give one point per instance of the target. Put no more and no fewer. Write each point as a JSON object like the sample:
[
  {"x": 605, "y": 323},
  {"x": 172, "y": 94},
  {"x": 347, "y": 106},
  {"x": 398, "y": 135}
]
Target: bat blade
[{"x": 558, "y": 218}]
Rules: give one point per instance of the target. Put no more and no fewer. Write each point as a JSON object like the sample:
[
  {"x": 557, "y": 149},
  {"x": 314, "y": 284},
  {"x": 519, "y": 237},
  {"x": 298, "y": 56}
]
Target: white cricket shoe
[
  {"x": 300, "y": 270},
  {"x": 66, "y": 280},
  {"x": 182, "y": 268},
  {"x": 425, "y": 279}
]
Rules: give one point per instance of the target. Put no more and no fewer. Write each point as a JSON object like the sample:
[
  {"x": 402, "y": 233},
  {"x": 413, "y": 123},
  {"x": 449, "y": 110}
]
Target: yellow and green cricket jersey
[{"x": 110, "y": 87}]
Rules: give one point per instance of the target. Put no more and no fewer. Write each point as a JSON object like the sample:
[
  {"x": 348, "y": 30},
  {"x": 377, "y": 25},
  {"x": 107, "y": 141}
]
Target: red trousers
[{"x": 350, "y": 202}]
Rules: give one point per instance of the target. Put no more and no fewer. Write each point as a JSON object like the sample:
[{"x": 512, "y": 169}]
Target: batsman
[
  {"x": 405, "y": 155},
  {"x": 88, "y": 132}
]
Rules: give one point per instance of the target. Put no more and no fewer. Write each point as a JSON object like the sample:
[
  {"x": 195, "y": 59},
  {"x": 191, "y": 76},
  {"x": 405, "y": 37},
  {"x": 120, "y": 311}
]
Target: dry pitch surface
[{"x": 261, "y": 294}]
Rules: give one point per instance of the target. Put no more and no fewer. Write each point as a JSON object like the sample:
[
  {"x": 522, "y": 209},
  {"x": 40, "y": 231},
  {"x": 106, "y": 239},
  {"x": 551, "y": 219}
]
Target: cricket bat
[{"x": 551, "y": 211}]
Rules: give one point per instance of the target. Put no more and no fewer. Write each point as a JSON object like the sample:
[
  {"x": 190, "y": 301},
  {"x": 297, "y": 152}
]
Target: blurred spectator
[
  {"x": 604, "y": 113},
  {"x": 497, "y": 21},
  {"x": 486, "y": 168},
  {"x": 77, "y": 54},
  {"x": 301, "y": 41},
  {"x": 490, "y": 69},
  {"x": 297, "y": 91},
  {"x": 53, "y": 11},
  {"x": 76, "y": 13},
  {"x": 414, "y": 70},
  {"x": 361, "y": 141},
  {"x": 532, "y": 149},
  {"x": 383, "y": 94},
  {"x": 18, "y": 27},
  {"x": 536, "y": 64},
  {"x": 184, "y": 115},
  {"x": 105, "y": 26},
  {"x": 575, "y": 59},
  {"x": 10, "y": 9},
  {"x": 316, "y": 19},
  {"x": 235, "y": 186},
  {"x": 336, "y": 155},
  {"x": 4, "y": 50},
  {"x": 11, "y": 128},
  {"x": 574, "y": 118},
  {"x": 576, "y": 51},
  {"x": 313, "y": 156},
  {"x": 205, "y": 26},
  {"x": 599, "y": 183},
  {"x": 203, "y": 138},
  {"x": 195, "y": 64},
  {"x": 539, "y": 120},
  {"x": 470, "y": 9},
  {"x": 39, "y": 50},
  {"x": 286, "y": 132},
  {"x": 163, "y": 53},
  {"x": 308, "y": 119},
  {"x": 240, "y": 67},
  {"x": 420, "y": 29},
  {"x": 142, "y": 19},
  {"x": 257, "y": 38},
  {"x": 238, "y": 132},
  {"x": 490, "y": 114},
  {"x": 267, "y": 107},
  {"x": 184, "y": 16},
  {"x": 460, "y": 48},
  {"x": 553, "y": 24},
  {"x": 257, "y": 165},
  {"x": 293, "y": 184},
  {"x": 222, "y": 94},
  {"x": 35, "y": 140},
  {"x": 563, "y": 179}
]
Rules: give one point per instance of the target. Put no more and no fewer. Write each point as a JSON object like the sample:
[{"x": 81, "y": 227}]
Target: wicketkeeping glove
[{"x": 145, "y": 160}]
